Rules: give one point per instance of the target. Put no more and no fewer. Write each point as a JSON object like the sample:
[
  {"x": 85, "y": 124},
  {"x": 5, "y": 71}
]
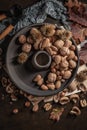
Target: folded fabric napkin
[{"x": 38, "y": 13}]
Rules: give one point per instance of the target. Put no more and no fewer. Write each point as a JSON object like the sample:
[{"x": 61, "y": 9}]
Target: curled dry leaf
[
  {"x": 75, "y": 111},
  {"x": 64, "y": 100},
  {"x": 75, "y": 98},
  {"x": 83, "y": 103}
]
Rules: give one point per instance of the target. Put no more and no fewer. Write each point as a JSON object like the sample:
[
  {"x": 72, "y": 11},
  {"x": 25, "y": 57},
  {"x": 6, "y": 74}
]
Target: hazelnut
[
  {"x": 58, "y": 84},
  {"x": 67, "y": 74},
  {"x": 26, "y": 47},
  {"x": 52, "y": 77},
  {"x": 22, "y": 39},
  {"x": 59, "y": 44},
  {"x": 72, "y": 64}
]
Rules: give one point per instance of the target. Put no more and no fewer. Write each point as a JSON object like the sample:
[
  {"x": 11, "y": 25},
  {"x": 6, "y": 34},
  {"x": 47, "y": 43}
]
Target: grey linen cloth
[{"x": 38, "y": 13}]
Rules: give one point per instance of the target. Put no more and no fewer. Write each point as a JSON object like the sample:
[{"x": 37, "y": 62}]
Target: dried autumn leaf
[
  {"x": 77, "y": 12},
  {"x": 83, "y": 54},
  {"x": 79, "y": 32}
]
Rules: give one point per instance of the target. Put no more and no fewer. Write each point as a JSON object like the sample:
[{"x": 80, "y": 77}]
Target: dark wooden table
[{"x": 25, "y": 119}]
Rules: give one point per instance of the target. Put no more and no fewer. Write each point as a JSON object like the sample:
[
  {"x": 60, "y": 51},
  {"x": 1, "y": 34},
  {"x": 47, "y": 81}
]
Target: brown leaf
[{"x": 79, "y": 32}]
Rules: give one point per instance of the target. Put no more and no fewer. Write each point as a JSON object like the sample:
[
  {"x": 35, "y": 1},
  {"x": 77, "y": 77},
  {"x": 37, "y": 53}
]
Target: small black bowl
[{"x": 22, "y": 76}]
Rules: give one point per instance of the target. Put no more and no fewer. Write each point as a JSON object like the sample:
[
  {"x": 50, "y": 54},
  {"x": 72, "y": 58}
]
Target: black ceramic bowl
[{"x": 22, "y": 75}]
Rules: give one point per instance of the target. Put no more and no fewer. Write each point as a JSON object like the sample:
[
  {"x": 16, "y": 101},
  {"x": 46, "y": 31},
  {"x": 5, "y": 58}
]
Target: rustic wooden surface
[{"x": 25, "y": 119}]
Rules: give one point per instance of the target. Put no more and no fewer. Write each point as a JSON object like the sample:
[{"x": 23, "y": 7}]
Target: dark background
[{"x": 25, "y": 119}]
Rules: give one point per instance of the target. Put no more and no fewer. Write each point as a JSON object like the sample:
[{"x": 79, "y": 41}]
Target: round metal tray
[{"x": 22, "y": 75}]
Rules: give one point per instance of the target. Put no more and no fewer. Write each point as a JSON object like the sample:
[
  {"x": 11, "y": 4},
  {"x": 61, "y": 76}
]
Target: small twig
[{"x": 74, "y": 92}]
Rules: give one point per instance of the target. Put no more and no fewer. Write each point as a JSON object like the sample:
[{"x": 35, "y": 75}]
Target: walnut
[
  {"x": 52, "y": 77},
  {"x": 22, "y": 39}
]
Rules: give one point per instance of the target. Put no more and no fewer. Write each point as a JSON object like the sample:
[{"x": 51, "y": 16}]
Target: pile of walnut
[{"x": 58, "y": 44}]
